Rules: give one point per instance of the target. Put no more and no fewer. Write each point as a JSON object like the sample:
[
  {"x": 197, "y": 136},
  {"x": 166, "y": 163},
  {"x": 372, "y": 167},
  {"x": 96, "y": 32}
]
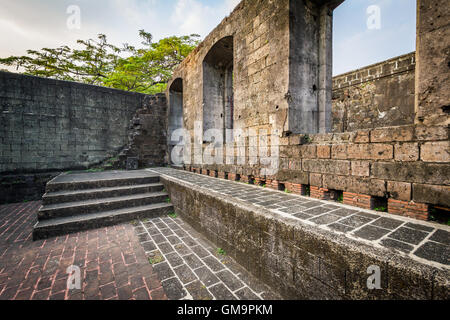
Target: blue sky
[{"x": 33, "y": 24}]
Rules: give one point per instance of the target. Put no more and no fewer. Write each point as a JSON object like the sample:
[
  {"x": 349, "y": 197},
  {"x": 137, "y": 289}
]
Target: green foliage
[
  {"x": 173, "y": 215},
  {"x": 286, "y": 190},
  {"x": 381, "y": 209},
  {"x": 156, "y": 259},
  {"x": 340, "y": 198},
  {"x": 168, "y": 200},
  {"x": 145, "y": 70},
  {"x": 221, "y": 252}
]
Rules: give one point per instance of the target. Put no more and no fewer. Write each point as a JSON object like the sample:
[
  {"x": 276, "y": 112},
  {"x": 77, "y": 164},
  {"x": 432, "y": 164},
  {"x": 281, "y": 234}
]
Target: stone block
[
  {"x": 370, "y": 151},
  {"x": 435, "y": 151},
  {"x": 392, "y": 134},
  {"x": 432, "y": 194},
  {"x": 323, "y": 151},
  {"x": 399, "y": 190},
  {"x": 361, "y": 168},
  {"x": 339, "y": 151},
  {"x": 406, "y": 151}
]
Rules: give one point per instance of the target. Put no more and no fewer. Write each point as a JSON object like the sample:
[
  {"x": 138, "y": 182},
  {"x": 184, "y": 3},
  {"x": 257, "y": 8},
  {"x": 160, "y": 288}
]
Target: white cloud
[{"x": 194, "y": 16}]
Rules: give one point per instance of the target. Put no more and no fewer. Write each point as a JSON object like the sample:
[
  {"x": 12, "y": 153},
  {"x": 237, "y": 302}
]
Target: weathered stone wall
[
  {"x": 259, "y": 28},
  {"x": 58, "y": 125},
  {"x": 147, "y": 133},
  {"x": 298, "y": 260},
  {"x": 394, "y": 162},
  {"x": 433, "y": 66},
  {"x": 379, "y": 95}
]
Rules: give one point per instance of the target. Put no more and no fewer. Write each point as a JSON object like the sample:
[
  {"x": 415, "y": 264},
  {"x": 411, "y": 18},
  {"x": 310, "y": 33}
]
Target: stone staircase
[{"x": 82, "y": 201}]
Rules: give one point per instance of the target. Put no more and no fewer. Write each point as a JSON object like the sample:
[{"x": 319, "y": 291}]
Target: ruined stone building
[
  {"x": 256, "y": 103},
  {"x": 378, "y": 136}
]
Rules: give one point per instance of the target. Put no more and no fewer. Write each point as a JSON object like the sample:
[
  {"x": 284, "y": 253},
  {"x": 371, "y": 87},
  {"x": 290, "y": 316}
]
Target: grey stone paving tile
[
  {"x": 149, "y": 246},
  {"x": 387, "y": 223},
  {"x": 174, "y": 259},
  {"x": 154, "y": 231},
  {"x": 303, "y": 216},
  {"x": 325, "y": 219},
  {"x": 189, "y": 241},
  {"x": 408, "y": 235},
  {"x": 166, "y": 232},
  {"x": 159, "y": 238},
  {"x": 230, "y": 280},
  {"x": 198, "y": 291},
  {"x": 192, "y": 261},
  {"x": 344, "y": 212},
  {"x": 419, "y": 227},
  {"x": 164, "y": 271},
  {"x": 182, "y": 249},
  {"x": 174, "y": 239},
  {"x": 368, "y": 215},
  {"x": 206, "y": 276},
  {"x": 317, "y": 210},
  {"x": 435, "y": 252},
  {"x": 165, "y": 247},
  {"x": 185, "y": 274},
  {"x": 199, "y": 251},
  {"x": 246, "y": 294},
  {"x": 214, "y": 264},
  {"x": 394, "y": 244},
  {"x": 269, "y": 203},
  {"x": 174, "y": 289},
  {"x": 441, "y": 236},
  {"x": 331, "y": 206},
  {"x": 355, "y": 221},
  {"x": 293, "y": 210},
  {"x": 311, "y": 204},
  {"x": 220, "y": 292},
  {"x": 341, "y": 227},
  {"x": 371, "y": 233}
]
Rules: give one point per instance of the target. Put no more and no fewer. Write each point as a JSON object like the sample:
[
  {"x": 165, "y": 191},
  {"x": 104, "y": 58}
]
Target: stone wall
[
  {"x": 59, "y": 125},
  {"x": 49, "y": 126},
  {"x": 379, "y": 95},
  {"x": 394, "y": 162},
  {"x": 299, "y": 260},
  {"x": 147, "y": 134}
]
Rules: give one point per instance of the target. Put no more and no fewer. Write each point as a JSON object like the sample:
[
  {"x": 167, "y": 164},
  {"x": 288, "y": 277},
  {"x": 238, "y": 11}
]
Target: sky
[{"x": 360, "y": 37}]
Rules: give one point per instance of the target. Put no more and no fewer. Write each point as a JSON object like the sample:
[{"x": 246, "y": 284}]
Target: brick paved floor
[
  {"x": 190, "y": 267},
  {"x": 161, "y": 258},
  {"x": 113, "y": 264}
]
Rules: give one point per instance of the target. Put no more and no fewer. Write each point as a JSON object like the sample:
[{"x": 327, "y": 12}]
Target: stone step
[
  {"x": 73, "y": 182},
  {"x": 99, "y": 193},
  {"x": 87, "y": 207},
  {"x": 64, "y": 225}
]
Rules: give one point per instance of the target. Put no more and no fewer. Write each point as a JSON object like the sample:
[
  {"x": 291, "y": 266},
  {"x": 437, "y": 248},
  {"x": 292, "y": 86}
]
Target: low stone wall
[
  {"x": 299, "y": 260},
  {"x": 379, "y": 95},
  {"x": 24, "y": 187}
]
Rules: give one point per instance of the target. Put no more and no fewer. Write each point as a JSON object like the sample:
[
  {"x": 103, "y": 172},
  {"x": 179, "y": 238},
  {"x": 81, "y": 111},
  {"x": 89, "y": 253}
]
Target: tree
[{"x": 146, "y": 70}]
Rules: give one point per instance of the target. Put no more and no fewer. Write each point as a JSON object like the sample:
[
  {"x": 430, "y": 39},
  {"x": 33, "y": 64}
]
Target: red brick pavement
[{"x": 112, "y": 262}]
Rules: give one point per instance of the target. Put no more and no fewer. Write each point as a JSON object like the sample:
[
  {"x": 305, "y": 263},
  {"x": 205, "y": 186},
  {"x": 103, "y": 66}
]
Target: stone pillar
[
  {"x": 310, "y": 65},
  {"x": 432, "y": 96}
]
